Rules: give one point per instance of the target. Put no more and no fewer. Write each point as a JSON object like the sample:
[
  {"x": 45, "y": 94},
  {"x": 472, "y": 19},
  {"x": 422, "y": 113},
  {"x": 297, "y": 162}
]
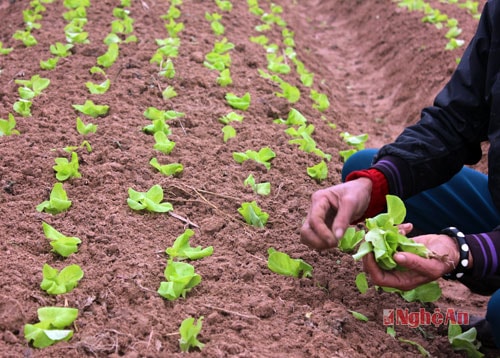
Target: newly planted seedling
[
  {"x": 229, "y": 132},
  {"x": 5, "y": 50},
  {"x": 464, "y": 341},
  {"x": 281, "y": 263},
  {"x": 50, "y": 328},
  {"x": 57, "y": 282},
  {"x": 7, "y": 126},
  {"x": 231, "y": 117},
  {"x": 171, "y": 169},
  {"x": 259, "y": 188},
  {"x": 99, "y": 88},
  {"x": 318, "y": 172},
  {"x": 83, "y": 128},
  {"x": 61, "y": 244},
  {"x": 253, "y": 214},
  {"x": 189, "y": 334},
  {"x": 181, "y": 278},
  {"x": 91, "y": 109},
  {"x": 321, "y": 102},
  {"x": 238, "y": 102},
  {"x": 163, "y": 144},
  {"x": 359, "y": 316},
  {"x": 181, "y": 249},
  {"x": 61, "y": 50},
  {"x": 263, "y": 156},
  {"x": 107, "y": 59},
  {"x": 66, "y": 169},
  {"x": 150, "y": 200},
  {"x": 58, "y": 201}
]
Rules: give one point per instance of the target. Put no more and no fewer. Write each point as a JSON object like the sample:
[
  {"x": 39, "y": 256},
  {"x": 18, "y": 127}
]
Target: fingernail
[
  {"x": 400, "y": 258},
  {"x": 339, "y": 233}
]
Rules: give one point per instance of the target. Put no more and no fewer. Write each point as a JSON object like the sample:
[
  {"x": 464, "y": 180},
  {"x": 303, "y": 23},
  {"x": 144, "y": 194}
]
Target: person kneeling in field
[{"x": 456, "y": 208}]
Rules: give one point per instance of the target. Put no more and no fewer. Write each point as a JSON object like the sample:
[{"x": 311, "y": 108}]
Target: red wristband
[{"x": 380, "y": 189}]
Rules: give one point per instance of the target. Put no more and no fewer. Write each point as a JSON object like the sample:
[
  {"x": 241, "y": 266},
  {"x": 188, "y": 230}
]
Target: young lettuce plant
[
  {"x": 109, "y": 57},
  {"x": 167, "y": 169},
  {"x": 238, "y": 102},
  {"x": 83, "y": 128},
  {"x": 58, "y": 201},
  {"x": 258, "y": 188},
  {"x": 61, "y": 244},
  {"x": 321, "y": 102},
  {"x": 253, "y": 214},
  {"x": 231, "y": 117},
  {"x": 91, "y": 109},
  {"x": 228, "y": 132},
  {"x": 181, "y": 278},
  {"x": 5, "y": 50},
  {"x": 99, "y": 88},
  {"x": 50, "y": 328},
  {"x": 464, "y": 341},
  {"x": 57, "y": 282},
  {"x": 67, "y": 169},
  {"x": 189, "y": 334},
  {"x": 318, "y": 172},
  {"x": 7, "y": 126},
  {"x": 181, "y": 249},
  {"x": 163, "y": 144},
  {"x": 281, "y": 263},
  {"x": 150, "y": 200},
  {"x": 263, "y": 156}
]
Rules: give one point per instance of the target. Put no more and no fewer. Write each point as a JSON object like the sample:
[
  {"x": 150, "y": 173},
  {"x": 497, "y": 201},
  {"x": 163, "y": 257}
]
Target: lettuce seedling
[
  {"x": 169, "y": 92},
  {"x": 61, "y": 244},
  {"x": 67, "y": 169},
  {"x": 99, "y": 88},
  {"x": 281, "y": 263},
  {"x": 306, "y": 77},
  {"x": 318, "y": 172},
  {"x": 32, "y": 87},
  {"x": 181, "y": 278},
  {"x": 23, "y": 107},
  {"x": 58, "y": 201},
  {"x": 215, "y": 23},
  {"x": 50, "y": 328},
  {"x": 181, "y": 249},
  {"x": 149, "y": 200},
  {"x": 259, "y": 188},
  {"x": 224, "y": 78},
  {"x": 384, "y": 239},
  {"x": 361, "y": 282},
  {"x": 231, "y": 117},
  {"x": 167, "y": 169},
  {"x": 253, "y": 214},
  {"x": 359, "y": 316},
  {"x": 263, "y": 156},
  {"x": 419, "y": 347},
  {"x": 357, "y": 141},
  {"x": 7, "y": 126},
  {"x": 217, "y": 61},
  {"x": 57, "y": 282},
  {"x": 91, "y": 109},
  {"x": 49, "y": 64},
  {"x": 61, "y": 50},
  {"x": 83, "y": 128},
  {"x": 294, "y": 118},
  {"x": 26, "y": 37},
  {"x": 167, "y": 69},
  {"x": 155, "y": 114},
  {"x": 260, "y": 40},
  {"x": 229, "y": 132},
  {"x": 173, "y": 28},
  {"x": 163, "y": 144},
  {"x": 189, "y": 334},
  {"x": 275, "y": 64},
  {"x": 238, "y": 102},
  {"x": 464, "y": 341},
  {"x": 74, "y": 4},
  {"x": 157, "y": 125},
  {"x": 107, "y": 59},
  {"x": 5, "y": 50},
  {"x": 321, "y": 102},
  {"x": 224, "y": 5}
]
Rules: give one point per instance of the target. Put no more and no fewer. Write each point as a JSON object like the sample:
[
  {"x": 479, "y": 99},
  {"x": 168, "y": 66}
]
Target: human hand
[
  {"x": 419, "y": 270},
  {"x": 332, "y": 210}
]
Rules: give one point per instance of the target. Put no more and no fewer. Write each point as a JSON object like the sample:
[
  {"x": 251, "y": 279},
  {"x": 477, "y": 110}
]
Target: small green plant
[
  {"x": 259, "y": 188},
  {"x": 109, "y": 57},
  {"x": 171, "y": 169},
  {"x": 83, "y": 128},
  {"x": 321, "y": 102},
  {"x": 32, "y": 87},
  {"x": 163, "y": 144},
  {"x": 5, "y": 50},
  {"x": 57, "y": 282},
  {"x": 215, "y": 23},
  {"x": 231, "y": 117},
  {"x": 49, "y": 64},
  {"x": 359, "y": 316},
  {"x": 7, "y": 126},
  {"x": 263, "y": 156},
  {"x": 58, "y": 201},
  {"x": 224, "y": 78},
  {"x": 181, "y": 278},
  {"x": 253, "y": 214},
  {"x": 238, "y": 102},
  {"x": 281, "y": 263},
  {"x": 66, "y": 169},
  {"x": 150, "y": 200},
  {"x": 464, "y": 341},
  {"x": 361, "y": 282},
  {"x": 228, "y": 132},
  {"x": 61, "y": 244},
  {"x": 318, "y": 172},
  {"x": 169, "y": 92},
  {"x": 50, "y": 328},
  {"x": 91, "y": 109},
  {"x": 61, "y": 50},
  {"x": 25, "y": 37},
  {"x": 351, "y": 239},
  {"x": 189, "y": 334},
  {"x": 99, "y": 88},
  {"x": 181, "y": 249}
]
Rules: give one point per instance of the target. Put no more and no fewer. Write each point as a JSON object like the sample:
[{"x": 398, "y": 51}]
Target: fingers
[{"x": 405, "y": 228}]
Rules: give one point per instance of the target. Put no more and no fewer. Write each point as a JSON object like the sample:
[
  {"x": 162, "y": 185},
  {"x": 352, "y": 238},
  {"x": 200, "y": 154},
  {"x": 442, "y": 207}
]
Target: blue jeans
[{"x": 464, "y": 202}]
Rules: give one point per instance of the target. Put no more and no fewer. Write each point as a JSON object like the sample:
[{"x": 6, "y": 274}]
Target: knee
[{"x": 493, "y": 311}]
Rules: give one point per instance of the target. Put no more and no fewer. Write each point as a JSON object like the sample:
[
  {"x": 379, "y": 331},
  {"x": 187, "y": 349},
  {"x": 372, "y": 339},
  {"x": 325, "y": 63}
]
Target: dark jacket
[{"x": 449, "y": 135}]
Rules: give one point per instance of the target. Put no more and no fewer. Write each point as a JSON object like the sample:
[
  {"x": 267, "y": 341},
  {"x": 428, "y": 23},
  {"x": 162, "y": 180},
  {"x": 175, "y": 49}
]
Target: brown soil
[{"x": 378, "y": 64}]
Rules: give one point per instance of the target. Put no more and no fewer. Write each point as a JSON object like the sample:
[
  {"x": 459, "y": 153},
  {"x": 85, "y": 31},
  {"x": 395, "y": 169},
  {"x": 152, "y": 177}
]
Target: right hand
[{"x": 332, "y": 210}]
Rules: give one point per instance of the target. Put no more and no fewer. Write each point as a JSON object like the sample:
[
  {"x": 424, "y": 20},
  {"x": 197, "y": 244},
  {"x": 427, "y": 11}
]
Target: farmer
[{"x": 455, "y": 210}]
